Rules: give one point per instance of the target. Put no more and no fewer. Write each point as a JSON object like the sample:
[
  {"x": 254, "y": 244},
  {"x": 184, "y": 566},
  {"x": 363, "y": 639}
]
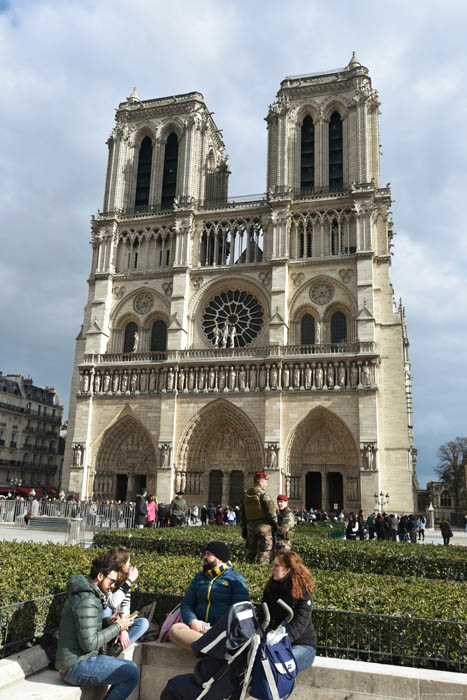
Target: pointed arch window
[
  {"x": 336, "y": 154},
  {"x": 130, "y": 332},
  {"x": 338, "y": 327},
  {"x": 159, "y": 337},
  {"x": 169, "y": 176},
  {"x": 307, "y": 156},
  {"x": 307, "y": 330},
  {"x": 143, "y": 177}
]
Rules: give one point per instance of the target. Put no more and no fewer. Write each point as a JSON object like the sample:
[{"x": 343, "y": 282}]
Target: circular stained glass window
[{"x": 232, "y": 319}]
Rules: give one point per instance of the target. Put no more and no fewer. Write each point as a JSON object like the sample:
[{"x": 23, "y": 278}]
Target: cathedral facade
[{"x": 222, "y": 335}]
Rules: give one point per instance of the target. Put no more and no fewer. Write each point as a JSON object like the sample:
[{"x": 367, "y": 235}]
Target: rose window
[{"x": 232, "y": 319}]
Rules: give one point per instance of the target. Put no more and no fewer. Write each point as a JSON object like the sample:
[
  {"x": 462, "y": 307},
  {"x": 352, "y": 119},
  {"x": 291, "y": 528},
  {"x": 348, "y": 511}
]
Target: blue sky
[{"x": 65, "y": 66}]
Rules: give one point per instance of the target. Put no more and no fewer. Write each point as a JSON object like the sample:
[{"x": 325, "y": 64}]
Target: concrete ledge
[{"x": 23, "y": 676}]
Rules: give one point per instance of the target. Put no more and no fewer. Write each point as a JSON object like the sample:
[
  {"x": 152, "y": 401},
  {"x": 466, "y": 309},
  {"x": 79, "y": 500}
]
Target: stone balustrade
[
  {"x": 327, "y": 375},
  {"x": 322, "y": 349}
]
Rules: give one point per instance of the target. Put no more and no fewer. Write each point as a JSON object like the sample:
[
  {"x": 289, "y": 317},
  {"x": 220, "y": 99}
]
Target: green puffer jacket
[{"x": 81, "y": 633}]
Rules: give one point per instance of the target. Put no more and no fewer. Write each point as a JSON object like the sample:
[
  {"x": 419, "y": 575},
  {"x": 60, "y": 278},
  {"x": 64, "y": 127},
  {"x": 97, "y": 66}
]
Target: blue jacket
[{"x": 211, "y": 594}]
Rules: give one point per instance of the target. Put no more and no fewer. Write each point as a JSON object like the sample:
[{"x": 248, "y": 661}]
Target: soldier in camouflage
[
  {"x": 258, "y": 517},
  {"x": 285, "y": 524}
]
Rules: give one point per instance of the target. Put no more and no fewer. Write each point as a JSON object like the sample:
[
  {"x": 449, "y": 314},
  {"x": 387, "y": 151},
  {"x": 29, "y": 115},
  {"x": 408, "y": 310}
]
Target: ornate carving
[
  {"x": 298, "y": 278},
  {"x": 143, "y": 303},
  {"x": 119, "y": 291},
  {"x": 168, "y": 288},
  {"x": 368, "y": 453},
  {"x": 197, "y": 282},
  {"x": 233, "y": 318},
  {"x": 165, "y": 449},
  {"x": 78, "y": 454},
  {"x": 272, "y": 455},
  {"x": 346, "y": 275},
  {"x": 321, "y": 293}
]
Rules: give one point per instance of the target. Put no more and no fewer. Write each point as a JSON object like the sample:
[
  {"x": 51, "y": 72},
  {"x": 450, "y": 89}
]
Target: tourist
[
  {"x": 178, "y": 510},
  {"x": 371, "y": 524},
  {"x": 285, "y": 524},
  {"x": 141, "y": 510},
  {"x": 412, "y": 528},
  {"x": 204, "y": 515},
  {"x": 151, "y": 512},
  {"x": 361, "y": 525},
  {"x": 209, "y": 596},
  {"x": 352, "y": 528},
  {"x": 421, "y": 527},
  {"x": 446, "y": 531},
  {"x": 291, "y": 582}
]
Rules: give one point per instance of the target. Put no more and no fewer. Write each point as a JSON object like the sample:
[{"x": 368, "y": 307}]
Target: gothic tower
[{"x": 225, "y": 335}]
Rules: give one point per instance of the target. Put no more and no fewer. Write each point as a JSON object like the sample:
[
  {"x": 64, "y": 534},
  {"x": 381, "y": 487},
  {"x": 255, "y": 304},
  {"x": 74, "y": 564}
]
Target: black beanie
[{"x": 219, "y": 549}]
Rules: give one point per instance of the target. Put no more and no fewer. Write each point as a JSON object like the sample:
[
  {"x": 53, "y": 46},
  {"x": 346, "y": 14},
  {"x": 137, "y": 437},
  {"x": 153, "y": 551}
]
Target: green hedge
[
  {"x": 402, "y": 559},
  {"x": 37, "y": 570}
]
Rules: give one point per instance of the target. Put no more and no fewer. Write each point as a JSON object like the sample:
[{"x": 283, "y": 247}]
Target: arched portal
[
  {"x": 219, "y": 452},
  {"x": 126, "y": 462},
  {"x": 322, "y": 463}
]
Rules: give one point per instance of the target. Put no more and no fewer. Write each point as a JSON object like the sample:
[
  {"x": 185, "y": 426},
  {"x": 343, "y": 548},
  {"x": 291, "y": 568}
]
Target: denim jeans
[
  {"x": 304, "y": 656},
  {"x": 137, "y": 629},
  {"x": 121, "y": 674}
]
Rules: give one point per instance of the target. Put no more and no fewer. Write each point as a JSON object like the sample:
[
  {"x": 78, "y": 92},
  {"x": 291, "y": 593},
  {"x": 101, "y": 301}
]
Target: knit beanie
[{"x": 219, "y": 549}]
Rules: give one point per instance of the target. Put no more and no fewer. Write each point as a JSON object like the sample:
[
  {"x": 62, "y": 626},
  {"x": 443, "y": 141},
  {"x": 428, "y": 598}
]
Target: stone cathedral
[{"x": 225, "y": 335}]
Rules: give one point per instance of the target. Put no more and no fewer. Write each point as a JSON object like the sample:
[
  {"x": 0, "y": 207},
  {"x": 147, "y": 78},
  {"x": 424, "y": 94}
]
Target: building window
[
  {"x": 130, "y": 332},
  {"x": 143, "y": 177},
  {"x": 338, "y": 327},
  {"x": 336, "y": 160},
  {"x": 307, "y": 160},
  {"x": 169, "y": 177},
  {"x": 445, "y": 500},
  {"x": 307, "y": 330},
  {"x": 159, "y": 337}
]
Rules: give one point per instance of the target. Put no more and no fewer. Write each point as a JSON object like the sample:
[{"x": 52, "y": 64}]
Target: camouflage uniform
[
  {"x": 258, "y": 514},
  {"x": 285, "y": 529}
]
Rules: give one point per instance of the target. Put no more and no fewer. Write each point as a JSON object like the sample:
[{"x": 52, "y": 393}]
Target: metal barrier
[
  {"x": 400, "y": 641},
  {"x": 96, "y": 516}
]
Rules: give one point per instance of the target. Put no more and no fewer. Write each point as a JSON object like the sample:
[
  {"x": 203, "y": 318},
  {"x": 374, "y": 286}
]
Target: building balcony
[
  {"x": 37, "y": 448},
  {"x": 40, "y": 431}
]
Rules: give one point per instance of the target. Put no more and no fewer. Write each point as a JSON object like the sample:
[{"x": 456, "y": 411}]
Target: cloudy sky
[{"x": 66, "y": 64}]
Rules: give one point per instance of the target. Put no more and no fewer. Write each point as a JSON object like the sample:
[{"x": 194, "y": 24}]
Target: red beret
[
  {"x": 281, "y": 497},
  {"x": 261, "y": 475}
]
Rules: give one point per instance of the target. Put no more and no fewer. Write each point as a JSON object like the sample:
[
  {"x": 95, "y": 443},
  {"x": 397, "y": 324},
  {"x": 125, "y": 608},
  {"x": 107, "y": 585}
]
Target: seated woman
[
  {"x": 119, "y": 600},
  {"x": 291, "y": 582}
]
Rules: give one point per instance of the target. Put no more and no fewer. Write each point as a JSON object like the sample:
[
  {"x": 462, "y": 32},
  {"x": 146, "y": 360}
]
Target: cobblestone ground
[{"x": 23, "y": 534}]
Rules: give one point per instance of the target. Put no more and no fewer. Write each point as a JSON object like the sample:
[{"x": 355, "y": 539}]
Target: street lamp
[
  {"x": 382, "y": 499},
  {"x": 16, "y": 483}
]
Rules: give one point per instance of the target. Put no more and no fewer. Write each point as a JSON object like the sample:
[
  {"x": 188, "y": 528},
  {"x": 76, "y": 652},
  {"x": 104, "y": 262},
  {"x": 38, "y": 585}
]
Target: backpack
[
  {"x": 49, "y": 643},
  {"x": 171, "y": 618},
  {"x": 274, "y": 669},
  {"x": 153, "y": 630}
]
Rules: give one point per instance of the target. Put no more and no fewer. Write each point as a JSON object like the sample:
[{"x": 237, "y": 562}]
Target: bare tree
[{"x": 452, "y": 468}]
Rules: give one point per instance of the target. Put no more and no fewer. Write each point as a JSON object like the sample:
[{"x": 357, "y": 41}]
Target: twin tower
[{"x": 223, "y": 335}]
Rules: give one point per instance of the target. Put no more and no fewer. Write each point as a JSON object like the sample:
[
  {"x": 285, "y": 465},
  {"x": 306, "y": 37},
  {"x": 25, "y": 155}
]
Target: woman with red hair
[{"x": 291, "y": 582}]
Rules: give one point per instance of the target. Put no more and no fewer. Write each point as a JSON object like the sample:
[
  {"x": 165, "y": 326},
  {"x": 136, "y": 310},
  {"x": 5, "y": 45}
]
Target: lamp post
[
  {"x": 16, "y": 483},
  {"x": 382, "y": 499}
]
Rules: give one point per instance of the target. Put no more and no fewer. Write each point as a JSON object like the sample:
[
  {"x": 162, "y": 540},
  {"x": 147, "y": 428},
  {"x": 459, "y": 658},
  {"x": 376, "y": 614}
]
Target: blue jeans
[
  {"x": 121, "y": 674},
  {"x": 137, "y": 629},
  {"x": 304, "y": 656}
]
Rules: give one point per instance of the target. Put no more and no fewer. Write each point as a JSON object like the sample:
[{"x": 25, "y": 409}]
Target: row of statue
[{"x": 265, "y": 377}]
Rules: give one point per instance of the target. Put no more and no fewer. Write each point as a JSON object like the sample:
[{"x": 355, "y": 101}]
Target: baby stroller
[{"x": 234, "y": 659}]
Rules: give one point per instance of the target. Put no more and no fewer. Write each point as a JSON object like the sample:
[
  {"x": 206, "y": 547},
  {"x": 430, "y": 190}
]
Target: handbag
[
  {"x": 171, "y": 618},
  {"x": 274, "y": 669}
]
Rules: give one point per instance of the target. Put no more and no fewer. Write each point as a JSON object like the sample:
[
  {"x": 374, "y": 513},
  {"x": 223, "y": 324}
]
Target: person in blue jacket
[{"x": 209, "y": 596}]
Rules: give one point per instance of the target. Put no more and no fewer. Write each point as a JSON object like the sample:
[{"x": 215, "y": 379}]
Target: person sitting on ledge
[
  {"x": 83, "y": 632},
  {"x": 209, "y": 596}
]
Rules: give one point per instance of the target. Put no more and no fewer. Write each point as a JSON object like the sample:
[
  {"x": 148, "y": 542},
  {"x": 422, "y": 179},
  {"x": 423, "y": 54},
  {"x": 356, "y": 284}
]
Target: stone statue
[
  {"x": 330, "y": 376},
  {"x": 307, "y": 377},
  {"x": 232, "y": 378},
  {"x": 262, "y": 377},
  {"x": 252, "y": 378},
  {"x": 201, "y": 377},
  {"x": 212, "y": 379},
  {"x": 217, "y": 336},
  {"x": 86, "y": 383},
  {"x": 165, "y": 455},
  {"x": 369, "y": 457},
  {"x": 221, "y": 379},
  {"x": 242, "y": 379},
  {"x": 124, "y": 383},
  {"x": 272, "y": 455},
  {"x": 273, "y": 377},
  {"x": 143, "y": 380},
  {"x": 106, "y": 382},
  {"x": 233, "y": 335},
  {"x": 133, "y": 382},
  {"x": 152, "y": 381},
  {"x": 319, "y": 376},
  {"x": 225, "y": 336},
  {"x": 170, "y": 379},
  {"x": 341, "y": 375},
  {"x": 366, "y": 374},
  {"x": 354, "y": 375},
  {"x": 181, "y": 379},
  {"x": 191, "y": 379},
  {"x": 77, "y": 452},
  {"x": 97, "y": 383},
  {"x": 318, "y": 332},
  {"x": 296, "y": 377},
  {"x": 135, "y": 342},
  {"x": 286, "y": 377},
  {"x": 115, "y": 382}
]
